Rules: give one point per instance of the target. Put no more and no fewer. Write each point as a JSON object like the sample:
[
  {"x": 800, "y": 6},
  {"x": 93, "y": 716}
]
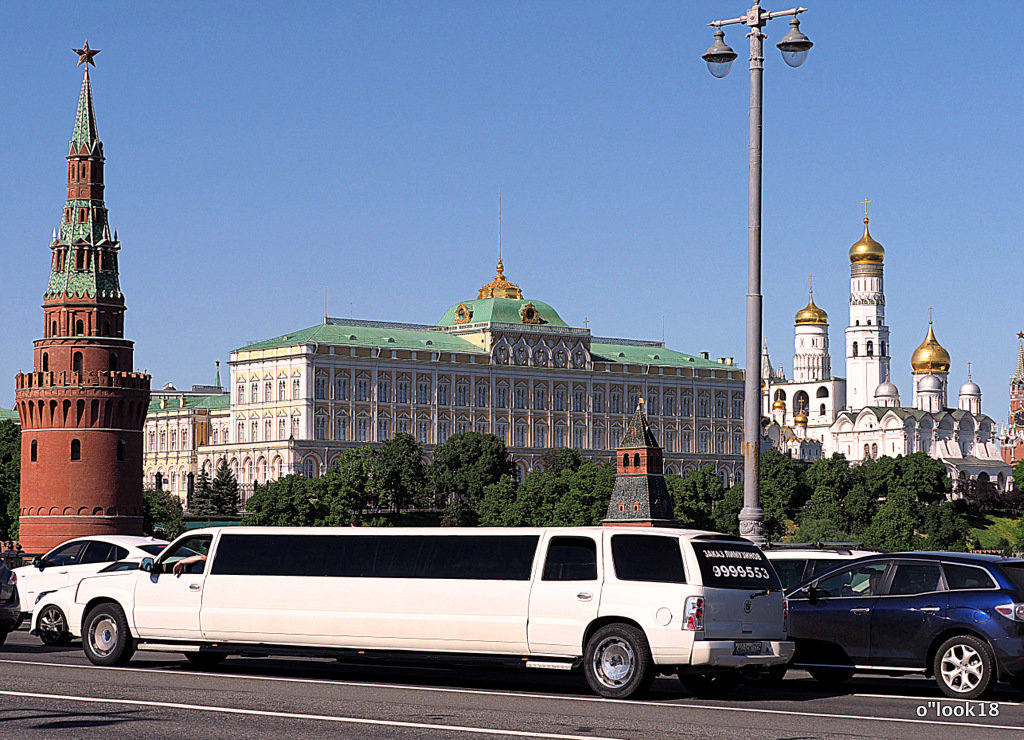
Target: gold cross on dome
[
  {"x": 865, "y": 204},
  {"x": 810, "y": 279},
  {"x": 85, "y": 55}
]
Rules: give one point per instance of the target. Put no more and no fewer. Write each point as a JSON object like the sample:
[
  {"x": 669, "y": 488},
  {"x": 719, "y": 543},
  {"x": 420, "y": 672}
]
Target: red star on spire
[{"x": 85, "y": 55}]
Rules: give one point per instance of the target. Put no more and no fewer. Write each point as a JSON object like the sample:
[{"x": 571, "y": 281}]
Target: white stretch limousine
[{"x": 625, "y": 603}]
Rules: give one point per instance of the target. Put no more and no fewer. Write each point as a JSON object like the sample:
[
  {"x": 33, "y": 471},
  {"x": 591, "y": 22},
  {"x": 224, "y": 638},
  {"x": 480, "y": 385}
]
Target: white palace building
[
  {"x": 816, "y": 414},
  {"x": 499, "y": 364}
]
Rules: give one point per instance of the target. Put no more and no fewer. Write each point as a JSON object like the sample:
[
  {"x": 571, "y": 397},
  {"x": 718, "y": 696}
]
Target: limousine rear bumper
[{"x": 724, "y": 653}]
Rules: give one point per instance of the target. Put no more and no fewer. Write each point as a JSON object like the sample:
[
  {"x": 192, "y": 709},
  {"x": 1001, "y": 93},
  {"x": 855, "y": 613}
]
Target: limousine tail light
[
  {"x": 1012, "y": 611},
  {"x": 693, "y": 613}
]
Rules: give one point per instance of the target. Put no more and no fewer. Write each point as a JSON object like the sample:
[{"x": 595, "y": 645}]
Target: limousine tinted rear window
[
  {"x": 639, "y": 557},
  {"x": 475, "y": 557},
  {"x": 735, "y": 565}
]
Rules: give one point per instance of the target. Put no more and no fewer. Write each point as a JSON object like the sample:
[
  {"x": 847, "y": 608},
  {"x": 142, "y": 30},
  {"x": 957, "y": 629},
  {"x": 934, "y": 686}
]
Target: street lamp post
[{"x": 719, "y": 57}]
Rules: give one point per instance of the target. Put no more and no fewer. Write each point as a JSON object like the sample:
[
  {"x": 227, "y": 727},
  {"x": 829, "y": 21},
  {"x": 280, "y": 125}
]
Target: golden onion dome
[
  {"x": 811, "y": 314},
  {"x": 800, "y": 419},
  {"x": 500, "y": 287},
  {"x": 866, "y": 249},
  {"x": 930, "y": 357},
  {"x": 779, "y": 405}
]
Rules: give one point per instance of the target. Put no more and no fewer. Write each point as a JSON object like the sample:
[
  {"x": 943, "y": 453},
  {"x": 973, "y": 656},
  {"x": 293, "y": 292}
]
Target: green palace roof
[
  {"x": 365, "y": 335},
  {"x": 212, "y": 402},
  {"x": 8, "y": 414},
  {"x": 501, "y": 310},
  {"x": 602, "y": 350}
]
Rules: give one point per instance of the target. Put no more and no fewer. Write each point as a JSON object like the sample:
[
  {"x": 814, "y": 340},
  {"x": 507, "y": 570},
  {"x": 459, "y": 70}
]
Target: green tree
[
  {"x": 496, "y": 505},
  {"x": 201, "y": 503},
  {"x": 162, "y": 515},
  {"x": 782, "y": 487},
  {"x": 463, "y": 466},
  {"x": 726, "y": 514},
  {"x": 586, "y": 502},
  {"x": 399, "y": 476},
  {"x": 859, "y": 508},
  {"x": 10, "y": 478},
  {"x": 346, "y": 488},
  {"x": 894, "y": 526},
  {"x": 285, "y": 502},
  {"x": 224, "y": 496},
  {"x": 946, "y": 528},
  {"x": 695, "y": 496}
]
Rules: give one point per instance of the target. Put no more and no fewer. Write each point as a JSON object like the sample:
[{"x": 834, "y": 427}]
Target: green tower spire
[{"x": 85, "y": 132}]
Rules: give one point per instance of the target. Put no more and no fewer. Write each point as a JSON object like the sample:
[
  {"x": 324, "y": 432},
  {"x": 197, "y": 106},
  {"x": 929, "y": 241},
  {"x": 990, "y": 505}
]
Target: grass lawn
[{"x": 989, "y": 530}]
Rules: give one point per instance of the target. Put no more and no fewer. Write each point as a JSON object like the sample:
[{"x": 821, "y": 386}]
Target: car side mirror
[
  {"x": 38, "y": 562},
  {"x": 812, "y": 595},
  {"x": 146, "y": 565}
]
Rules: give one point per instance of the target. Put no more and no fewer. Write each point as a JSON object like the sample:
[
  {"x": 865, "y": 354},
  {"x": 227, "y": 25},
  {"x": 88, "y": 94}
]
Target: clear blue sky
[{"x": 258, "y": 153}]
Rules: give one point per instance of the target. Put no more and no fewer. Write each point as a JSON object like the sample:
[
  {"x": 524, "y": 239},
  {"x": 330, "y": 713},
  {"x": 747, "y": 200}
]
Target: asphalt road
[{"x": 56, "y": 693}]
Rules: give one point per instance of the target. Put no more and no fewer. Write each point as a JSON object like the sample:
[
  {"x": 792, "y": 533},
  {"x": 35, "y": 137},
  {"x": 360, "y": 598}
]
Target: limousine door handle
[
  {"x": 860, "y": 610},
  {"x": 584, "y": 596},
  {"x": 193, "y": 587}
]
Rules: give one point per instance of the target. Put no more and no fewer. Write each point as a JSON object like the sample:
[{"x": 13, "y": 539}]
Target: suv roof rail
[{"x": 813, "y": 545}]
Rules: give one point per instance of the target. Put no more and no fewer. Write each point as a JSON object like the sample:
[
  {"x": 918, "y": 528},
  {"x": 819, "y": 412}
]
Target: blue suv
[{"x": 957, "y": 617}]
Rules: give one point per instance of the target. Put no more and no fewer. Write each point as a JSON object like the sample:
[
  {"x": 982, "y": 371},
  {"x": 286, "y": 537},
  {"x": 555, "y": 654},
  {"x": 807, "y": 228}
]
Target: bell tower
[
  {"x": 867, "y": 336},
  {"x": 82, "y": 408}
]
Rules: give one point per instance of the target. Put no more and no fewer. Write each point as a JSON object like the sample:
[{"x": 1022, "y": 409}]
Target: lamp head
[
  {"x": 719, "y": 56},
  {"x": 794, "y": 45}
]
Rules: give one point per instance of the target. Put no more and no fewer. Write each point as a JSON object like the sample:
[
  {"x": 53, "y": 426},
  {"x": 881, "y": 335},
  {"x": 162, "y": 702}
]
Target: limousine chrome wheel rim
[
  {"x": 614, "y": 662},
  {"x": 103, "y": 636},
  {"x": 962, "y": 668}
]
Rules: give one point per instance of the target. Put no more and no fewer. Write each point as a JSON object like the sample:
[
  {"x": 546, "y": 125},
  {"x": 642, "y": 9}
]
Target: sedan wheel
[
  {"x": 964, "y": 667},
  {"x": 53, "y": 626}
]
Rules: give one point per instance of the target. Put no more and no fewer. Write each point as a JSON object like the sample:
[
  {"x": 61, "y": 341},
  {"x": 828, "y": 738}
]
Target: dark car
[
  {"x": 957, "y": 617},
  {"x": 10, "y": 607}
]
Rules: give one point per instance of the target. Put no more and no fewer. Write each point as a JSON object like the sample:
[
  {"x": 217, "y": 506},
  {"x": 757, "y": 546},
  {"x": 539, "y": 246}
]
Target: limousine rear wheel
[
  {"x": 106, "y": 637},
  {"x": 617, "y": 662},
  {"x": 964, "y": 668}
]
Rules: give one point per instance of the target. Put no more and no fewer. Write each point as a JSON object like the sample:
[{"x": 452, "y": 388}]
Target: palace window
[
  {"x": 341, "y": 427},
  {"x": 652, "y": 403},
  {"x": 280, "y": 431},
  {"x": 579, "y": 436},
  {"x": 559, "y": 400},
  {"x": 255, "y": 431},
  {"x": 737, "y": 407},
  {"x": 502, "y": 431},
  {"x": 362, "y": 426},
  {"x": 519, "y": 400},
  {"x": 670, "y": 440},
  {"x": 320, "y": 387},
  {"x": 268, "y": 392},
  {"x": 481, "y": 395},
  {"x": 254, "y": 392},
  {"x": 442, "y": 432},
  {"x": 341, "y": 387},
  {"x": 598, "y": 402},
  {"x": 502, "y": 396},
  {"x": 560, "y": 433},
  {"x": 634, "y": 401},
  {"x": 461, "y": 426},
  {"x": 296, "y": 389},
  {"x": 615, "y": 402},
  {"x": 614, "y": 437},
  {"x": 702, "y": 442},
  {"x": 442, "y": 393},
  {"x": 383, "y": 429},
  {"x": 320, "y": 427},
  {"x": 540, "y": 435},
  {"x": 402, "y": 391},
  {"x": 540, "y": 398},
  {"x": 163, "y": 440},
  {"x": 295, "y": 426},
  {"x": 362, "y": 388},
  {"x": 384, "y": 390},
  {"x": 702, "y": 406},
  {"x": 579, "y": 400},
  {"x": 481, "y": 426},
  {"x": 174, "y": 439},
  {"x": 461, "y": 394},
  {"x": 520, "y": 440},
  {"x": 402, "y": 425},
  {"x": 422, "y": 432},
  {"x": 280, "y": 390},
  {"x": 598, "y": 443},
  {"x": 423, "y": 391}
]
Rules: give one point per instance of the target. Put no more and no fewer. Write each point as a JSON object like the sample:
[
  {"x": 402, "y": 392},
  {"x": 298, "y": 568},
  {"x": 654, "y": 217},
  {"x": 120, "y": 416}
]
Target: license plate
[{"x": 746, "y": 648}]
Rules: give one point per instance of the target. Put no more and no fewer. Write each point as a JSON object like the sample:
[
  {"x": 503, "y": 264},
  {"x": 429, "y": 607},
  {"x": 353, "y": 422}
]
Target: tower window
[
  {"x": 46, "y": 362},
  {"x": 76, "y": 449},
  {"x": 76, "y": 362},
  {"x": 871, "y": 348},
  {"x": 854, "y": 349},
  {"x": 636, "y": 460},
  {"x": 35, "y": 451},
  {"x": 121, "y": 450},
  {"x": 79, "y": 328},
  {"x": 53, "y": 328}
]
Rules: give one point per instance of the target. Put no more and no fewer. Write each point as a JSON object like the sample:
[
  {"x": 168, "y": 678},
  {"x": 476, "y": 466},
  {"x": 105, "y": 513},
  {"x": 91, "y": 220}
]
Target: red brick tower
[
  {"x": 82, "y": 408},
  {"x": 1013, "y": 440}
]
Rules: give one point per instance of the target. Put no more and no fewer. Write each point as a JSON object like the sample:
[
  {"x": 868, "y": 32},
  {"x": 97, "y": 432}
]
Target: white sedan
[
  {"x": 49, "y": 618},
  {"x": 71, "y": 561}
]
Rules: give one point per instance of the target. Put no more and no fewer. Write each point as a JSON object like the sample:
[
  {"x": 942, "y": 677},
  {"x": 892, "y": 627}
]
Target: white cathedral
[{"x": 817, "y": 414}]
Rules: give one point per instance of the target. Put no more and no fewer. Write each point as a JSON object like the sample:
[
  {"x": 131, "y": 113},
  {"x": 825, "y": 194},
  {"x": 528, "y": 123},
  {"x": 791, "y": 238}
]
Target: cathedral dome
[
  {"x": 970, "y": 388},
  {"x": 930, "y": 384},
  {"x": 930, "y": 357},
  {"x": 886, "y": 391},
  {"x": 811, "y": 314},
  {"x": 800, "y": 419},
  {"x": 779, "y": 405},
  {"x": 866, "y": 249}
]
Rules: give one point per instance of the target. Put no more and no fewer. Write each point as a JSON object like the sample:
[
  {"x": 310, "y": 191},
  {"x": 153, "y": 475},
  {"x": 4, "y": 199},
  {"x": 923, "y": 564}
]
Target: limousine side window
[
  {"x": 471, "y": 557},
  {"x": 654, "y": 558},
  {"x": 198, "y": 545},
  {"x": 571, "y": 559}
]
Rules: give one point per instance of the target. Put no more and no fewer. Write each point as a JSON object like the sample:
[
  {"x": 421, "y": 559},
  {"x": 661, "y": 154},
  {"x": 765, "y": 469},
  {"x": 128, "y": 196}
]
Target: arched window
[
  {"x": 874, "y": 450},
  {"x": 636, "y": 460},
  {"x": 35, "y": 450},
  {"x": 822, "y": 392},
  {"x": 53, "y": 328},
  {"x": 871, "y": 348},
  {"x": 854, "y": 349},
  {"x": 79, "y": 328},
  {"x": 76, "y": 362},
  {"x": 867, "y": 450},
  {"x": 121, "y": 450},
  {"x": 46, "y": 362},
  {"x": 821, "y": 410},
  {"x": 76, "y": 449},
  {"x": 625, "y": 460}
]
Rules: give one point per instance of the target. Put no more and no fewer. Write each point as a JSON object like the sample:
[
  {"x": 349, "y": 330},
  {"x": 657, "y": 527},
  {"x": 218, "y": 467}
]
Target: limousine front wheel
[
  {"x": 617, "y": 662},
  {"x": 106, "y": 637}
]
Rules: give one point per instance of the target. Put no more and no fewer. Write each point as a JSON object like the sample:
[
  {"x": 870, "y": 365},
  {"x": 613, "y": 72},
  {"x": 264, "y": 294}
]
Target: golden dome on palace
[
  {"x": 811, "y": 314},
  {"x": 930, "y": 357},
  {"x": 866, "y": 249}
]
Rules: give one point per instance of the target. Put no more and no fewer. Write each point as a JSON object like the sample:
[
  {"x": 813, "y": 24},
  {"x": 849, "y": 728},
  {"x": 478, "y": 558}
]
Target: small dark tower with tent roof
[{"x": 640, "y": 497}]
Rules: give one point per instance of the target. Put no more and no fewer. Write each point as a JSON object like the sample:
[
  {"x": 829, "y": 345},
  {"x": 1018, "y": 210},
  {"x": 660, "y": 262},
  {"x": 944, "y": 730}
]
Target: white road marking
[
  {"x": 296, "y": 715},
  {"x": 551, "y": 697}
]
